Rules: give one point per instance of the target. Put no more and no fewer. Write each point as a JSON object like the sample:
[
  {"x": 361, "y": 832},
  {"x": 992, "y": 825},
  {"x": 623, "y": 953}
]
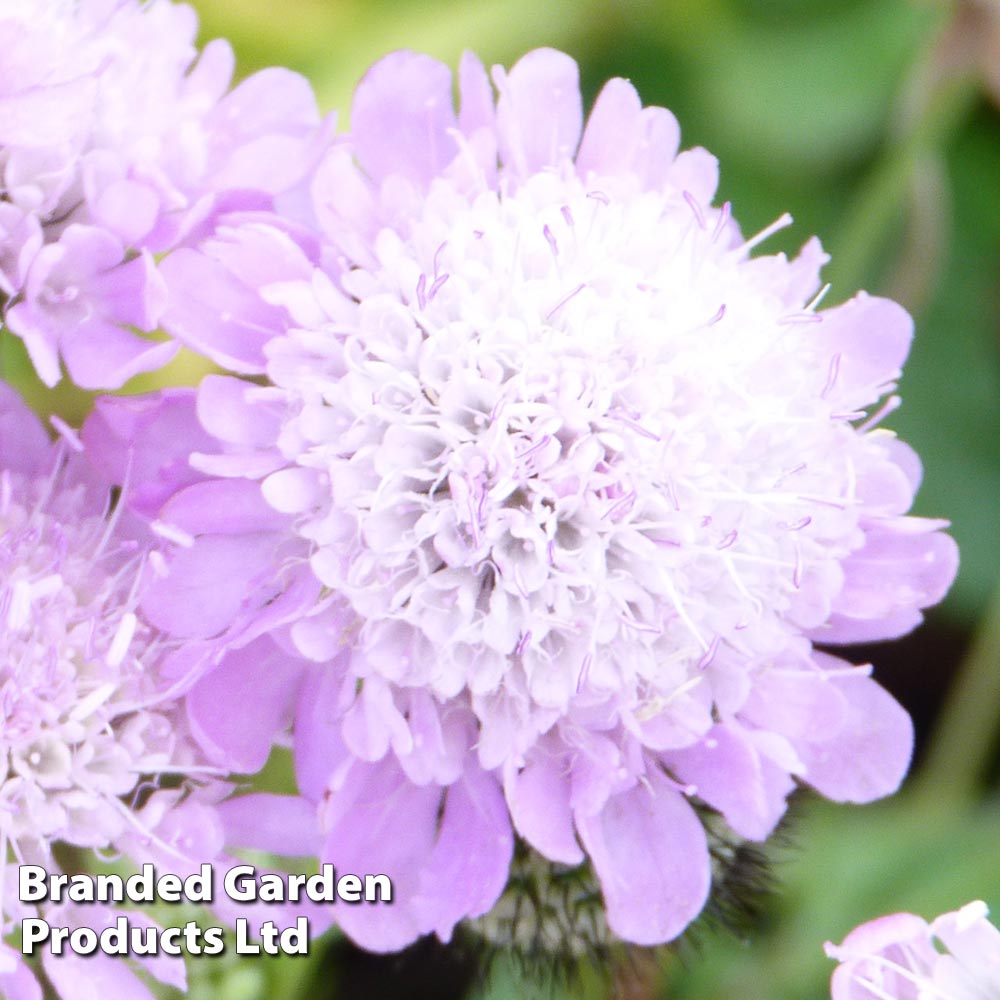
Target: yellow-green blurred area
[{"x": 875, "y": 123}]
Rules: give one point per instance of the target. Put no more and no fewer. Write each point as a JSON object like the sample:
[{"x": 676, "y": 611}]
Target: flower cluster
[
  {"x": 80, "y": 722},
  {"x": 902, "y": 957},
  {"x": 116, "y": 144},
  {"x": 524, "y": 502},
  {"x": 89, "y": 722},
  {"x": 555, "y": 482}
]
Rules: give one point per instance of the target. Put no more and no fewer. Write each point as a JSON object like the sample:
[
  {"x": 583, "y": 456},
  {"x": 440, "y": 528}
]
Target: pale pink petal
[
  {"x": 374, "y": 722},
  {"x": 16, "y": 980},
  {"x": 105, "y": 356},
  {"x": 891, "y": 952},
  {"x": 260, "y": 132},
  {"x": 870, "y": 755},
  {"x": 972, "y": 941},
  {"x": 538, "y": 797},
  {"x": 614, "y": 131},
  {"x": 441, "y": 736},
  {"x": 796, "y": 703},
  {"x": 214, "y": 313},
  {"x": 278, "y": 824},
  {"x": 211, "y": 74},
  {"x": 128, "y": 208},
  {"x": 93, "y": 977},
  {"x": 263, "y": 681},
  {"x": 221, "y": 507},
  {"x": 226, "y": 410},
  {"x": 871, "y": 336},
  {"x": 294, "y": 490},
  {"x": 146, "y": 440},
  {"x": 649, "y": 851},
  {"x": 367, "y": 838},
  {"x": 273, "y": 98},
  {"x": 903, "y": 564},
  {"x": 877, "y": 934},
  {"x": 168, "y": 969},
  {"x": 344, "y": 204},
  {"x": 840, "y": 629},
  {"x": 41, "y": 347},
  {"x": 729, "y": 774},
  {"x": 208, "y": 584},
  {"x": 469, "y": 865},
  {"x": 540, "y": 112},
  {"x": 906, "y": 459},
  {"x": 596, "y": 774},
  {"x": 46, "y": 115},
  {"x": 658, "y": 145},
  {"x": 402, "y": 118},
  {"x": 695, "y": 172},
  {"x": 319, "y": 743},
  {"x": 24, "y": 444},
  {"x": 793, "y": 282},
  {"x": 476, "y": 110},
  {"x": 264, "y": 250},
  {"x": 271, "y": 163}
]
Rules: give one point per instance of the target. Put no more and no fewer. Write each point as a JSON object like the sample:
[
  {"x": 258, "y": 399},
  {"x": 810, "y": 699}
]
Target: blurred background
[{"x": 876, "y": 124}]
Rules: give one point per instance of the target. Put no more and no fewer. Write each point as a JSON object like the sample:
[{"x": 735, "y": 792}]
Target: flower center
[{"x": 559, "y": 451}]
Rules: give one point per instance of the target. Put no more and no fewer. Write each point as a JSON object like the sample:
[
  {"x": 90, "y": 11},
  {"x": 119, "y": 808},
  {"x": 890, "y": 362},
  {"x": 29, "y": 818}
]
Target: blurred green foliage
[{"x": 869, "y": 121}]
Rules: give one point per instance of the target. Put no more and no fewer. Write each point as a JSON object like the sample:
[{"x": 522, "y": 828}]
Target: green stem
[{"x": 968, "y": 728}]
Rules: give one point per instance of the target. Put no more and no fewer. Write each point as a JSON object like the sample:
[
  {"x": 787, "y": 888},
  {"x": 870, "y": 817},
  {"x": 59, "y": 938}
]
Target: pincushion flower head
[
  {"x": 117, "y": 139},
  {"x": 88, "y": 724},
  {"x": 902, "y": 957},
  {"x": 575, "y": 482}
]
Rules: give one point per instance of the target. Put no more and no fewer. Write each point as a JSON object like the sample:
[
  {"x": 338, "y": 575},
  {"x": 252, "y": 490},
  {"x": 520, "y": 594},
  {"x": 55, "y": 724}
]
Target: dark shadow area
[{"x": 427, "y": 970}]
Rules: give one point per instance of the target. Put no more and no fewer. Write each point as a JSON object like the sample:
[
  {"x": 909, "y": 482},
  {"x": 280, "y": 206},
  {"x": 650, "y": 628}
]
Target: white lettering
[
  {"x": 31, "y": 883},
  {"x": 241, "y": 886},
  {"x": 33, "y": 931}
]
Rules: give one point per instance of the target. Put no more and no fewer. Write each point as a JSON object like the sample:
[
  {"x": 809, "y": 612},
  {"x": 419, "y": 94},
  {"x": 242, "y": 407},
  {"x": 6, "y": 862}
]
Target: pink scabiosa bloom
[
  {"x": 88, "y": 726},
  {"x": 117, "y": 138},
  {"x": 578, "y": 481},
  {"x": 902, "y": 957}
]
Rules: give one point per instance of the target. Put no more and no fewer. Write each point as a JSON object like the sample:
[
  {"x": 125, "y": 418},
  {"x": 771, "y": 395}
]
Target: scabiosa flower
[
  {"x": 116, "y": 140},
  {"x": 88, "y": 726},
  {"x": 902, "y": 957},
  {"x": 578, "y": 482},
  {"x": 77, "y": 731}
]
